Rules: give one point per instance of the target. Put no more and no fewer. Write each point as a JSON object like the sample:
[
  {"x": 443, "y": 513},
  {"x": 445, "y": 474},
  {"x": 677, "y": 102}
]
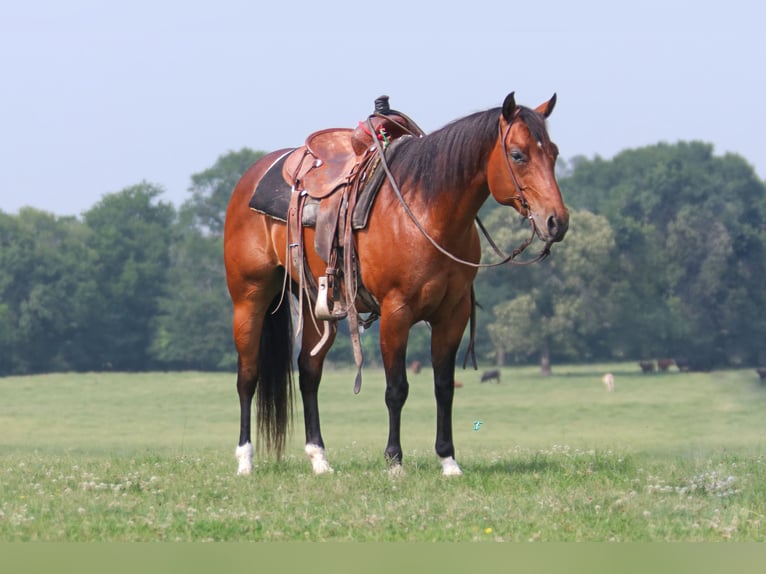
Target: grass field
[{"x": 149, "y": 457}]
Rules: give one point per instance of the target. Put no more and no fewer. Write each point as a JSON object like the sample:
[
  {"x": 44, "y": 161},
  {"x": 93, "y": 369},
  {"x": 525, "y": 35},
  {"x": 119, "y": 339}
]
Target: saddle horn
[{"x": 381, "y": 105}]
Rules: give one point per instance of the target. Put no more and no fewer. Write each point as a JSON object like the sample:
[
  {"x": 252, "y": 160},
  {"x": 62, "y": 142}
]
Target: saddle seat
[{"x": 323, "y": 163}]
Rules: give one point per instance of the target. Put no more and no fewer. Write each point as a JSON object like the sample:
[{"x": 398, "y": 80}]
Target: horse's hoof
[{"x": 450, "y": 467}]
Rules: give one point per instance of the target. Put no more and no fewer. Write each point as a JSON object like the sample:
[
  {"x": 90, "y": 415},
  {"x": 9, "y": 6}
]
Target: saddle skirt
[{"x": 323, "y": 163}]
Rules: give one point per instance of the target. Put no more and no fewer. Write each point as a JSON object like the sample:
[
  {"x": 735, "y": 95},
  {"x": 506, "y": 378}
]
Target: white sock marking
[
  {"x": 318, "y": 461},
  {"x": 450, "y": 466},
  {"x": 244, "y": 456}
]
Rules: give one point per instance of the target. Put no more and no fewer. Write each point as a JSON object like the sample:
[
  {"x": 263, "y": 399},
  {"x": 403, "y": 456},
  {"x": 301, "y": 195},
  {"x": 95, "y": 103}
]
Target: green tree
[
  {"x": 45, "y": 288},
  {"x": 691, "y": 243},
  {"x": 130, "y": 235},
  {"x": 564, "y": 308},
  {"x": 194, "y": 321}
]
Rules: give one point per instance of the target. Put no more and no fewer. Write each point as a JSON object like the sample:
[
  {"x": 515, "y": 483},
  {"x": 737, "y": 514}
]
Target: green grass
[{"x": 149, "y": 457}]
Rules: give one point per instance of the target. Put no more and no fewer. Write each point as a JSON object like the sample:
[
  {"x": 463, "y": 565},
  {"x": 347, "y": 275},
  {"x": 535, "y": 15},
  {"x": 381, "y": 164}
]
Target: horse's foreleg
[
  {"x": 444, "y": 389},
  {"x": 394, "y": 330},
  {"x": 445, "y": 340},
  {"x": 310, "y": 374}
]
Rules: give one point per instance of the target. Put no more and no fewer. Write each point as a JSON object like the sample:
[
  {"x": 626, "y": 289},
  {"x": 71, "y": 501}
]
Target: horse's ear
[
  {"x": 509, "y": 107},
  {"x": 547, "y": 108}
]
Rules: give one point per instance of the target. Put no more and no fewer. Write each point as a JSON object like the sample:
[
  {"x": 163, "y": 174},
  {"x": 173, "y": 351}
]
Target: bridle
[{"x": 520, "y": 197}]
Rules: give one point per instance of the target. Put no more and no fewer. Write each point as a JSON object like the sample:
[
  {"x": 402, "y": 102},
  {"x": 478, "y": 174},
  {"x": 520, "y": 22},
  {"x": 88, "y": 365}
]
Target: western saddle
[{"x": 333, "y": 167}]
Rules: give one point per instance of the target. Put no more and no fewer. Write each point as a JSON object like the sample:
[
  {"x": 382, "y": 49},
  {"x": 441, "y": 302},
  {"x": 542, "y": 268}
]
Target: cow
[
  {"x": 490, "y": 375},
  {"x": 646, "y": 366},
  {"x": 664, "y": 364}
]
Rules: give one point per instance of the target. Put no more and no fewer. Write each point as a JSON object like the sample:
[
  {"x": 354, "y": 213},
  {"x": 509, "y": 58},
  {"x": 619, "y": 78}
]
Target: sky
[{"x": 98, "y": 96}]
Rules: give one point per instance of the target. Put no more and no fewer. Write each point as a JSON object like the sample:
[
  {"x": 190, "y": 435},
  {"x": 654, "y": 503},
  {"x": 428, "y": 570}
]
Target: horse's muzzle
[
  {"x": 553, "y": 228},
  {"x": 556, "y": 227}
]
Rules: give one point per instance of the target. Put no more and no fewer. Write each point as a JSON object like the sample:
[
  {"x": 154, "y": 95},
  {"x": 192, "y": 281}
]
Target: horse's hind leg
[
  {"x": 310, "y": 373},
  {"x": 262, "y": 335},
  {"x": 248, "y": 324}
]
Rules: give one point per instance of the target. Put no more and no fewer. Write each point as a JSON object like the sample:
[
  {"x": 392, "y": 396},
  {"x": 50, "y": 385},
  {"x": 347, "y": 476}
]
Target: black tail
[{"x": 274, "y": 392}]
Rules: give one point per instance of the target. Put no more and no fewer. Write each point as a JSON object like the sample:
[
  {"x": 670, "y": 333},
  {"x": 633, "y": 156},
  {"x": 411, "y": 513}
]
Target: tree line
[{"x": 665, "y": 257}]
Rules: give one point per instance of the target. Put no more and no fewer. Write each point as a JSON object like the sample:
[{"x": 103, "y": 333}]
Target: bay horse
[{"x": 417, "y": 256}]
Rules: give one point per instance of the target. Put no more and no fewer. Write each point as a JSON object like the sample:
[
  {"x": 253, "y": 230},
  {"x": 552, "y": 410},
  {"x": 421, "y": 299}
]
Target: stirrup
[{"x": 322, "y": 309}]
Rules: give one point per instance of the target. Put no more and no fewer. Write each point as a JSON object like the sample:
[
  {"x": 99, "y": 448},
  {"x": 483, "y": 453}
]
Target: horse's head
[{"x": 520, "y": 171}]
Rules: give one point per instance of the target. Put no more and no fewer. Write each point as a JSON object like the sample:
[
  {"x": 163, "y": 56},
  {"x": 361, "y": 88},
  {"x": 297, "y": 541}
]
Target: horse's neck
[{"x": 463, "y": 204}]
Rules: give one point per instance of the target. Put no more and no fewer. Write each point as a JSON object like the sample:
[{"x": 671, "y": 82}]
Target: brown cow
[{"x": 665, "y": 364}]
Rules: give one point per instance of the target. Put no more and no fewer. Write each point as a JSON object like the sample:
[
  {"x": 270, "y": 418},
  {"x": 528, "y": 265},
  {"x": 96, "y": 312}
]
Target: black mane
[{"x": 450, "y": 157}]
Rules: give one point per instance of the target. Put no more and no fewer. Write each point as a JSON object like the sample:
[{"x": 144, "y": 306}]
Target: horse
[{"x": 417, "y": 256}]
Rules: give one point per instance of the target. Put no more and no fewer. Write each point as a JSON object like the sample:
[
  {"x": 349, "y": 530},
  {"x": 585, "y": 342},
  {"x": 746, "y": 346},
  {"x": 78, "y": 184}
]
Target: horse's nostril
[
  {"x": 557, "y": 226},
  {"x": 553, "y": 224}
]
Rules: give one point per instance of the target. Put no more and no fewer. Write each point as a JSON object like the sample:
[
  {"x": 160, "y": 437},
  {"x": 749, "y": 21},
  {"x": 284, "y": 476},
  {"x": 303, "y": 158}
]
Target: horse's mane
[{"x": 450, "y": 156}]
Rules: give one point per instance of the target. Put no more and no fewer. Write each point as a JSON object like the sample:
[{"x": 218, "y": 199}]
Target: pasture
[{"x": 149, "y": 457}]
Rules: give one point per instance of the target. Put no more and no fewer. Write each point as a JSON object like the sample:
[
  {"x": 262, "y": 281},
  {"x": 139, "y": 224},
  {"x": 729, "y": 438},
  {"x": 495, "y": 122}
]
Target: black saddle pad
[{"x": 272, "y": 194}]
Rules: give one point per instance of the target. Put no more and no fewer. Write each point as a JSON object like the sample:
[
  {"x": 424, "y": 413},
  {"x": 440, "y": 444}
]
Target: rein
[{"x": 519, "y": 196}]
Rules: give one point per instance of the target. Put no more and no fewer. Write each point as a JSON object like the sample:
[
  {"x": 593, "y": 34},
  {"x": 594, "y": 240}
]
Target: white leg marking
[
  {"x": 318, "y": 461},
  {"x": 450, "y": 467},
  {"x": 244, "y": 456}
]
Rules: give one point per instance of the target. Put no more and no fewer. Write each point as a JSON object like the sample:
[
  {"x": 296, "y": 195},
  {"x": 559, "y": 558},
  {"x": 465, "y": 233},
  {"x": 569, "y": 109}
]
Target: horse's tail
[{"x": 274, "y": 392}]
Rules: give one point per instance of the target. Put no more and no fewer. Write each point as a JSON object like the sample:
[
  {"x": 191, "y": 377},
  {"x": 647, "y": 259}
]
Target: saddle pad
[{"x": 272, "y": 194}]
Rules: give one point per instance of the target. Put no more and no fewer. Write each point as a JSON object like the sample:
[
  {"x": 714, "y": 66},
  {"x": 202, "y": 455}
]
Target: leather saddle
[{"x": 332, "y": 168}]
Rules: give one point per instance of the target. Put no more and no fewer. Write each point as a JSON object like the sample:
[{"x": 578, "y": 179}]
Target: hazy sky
[{"x": 97, "y": 96}]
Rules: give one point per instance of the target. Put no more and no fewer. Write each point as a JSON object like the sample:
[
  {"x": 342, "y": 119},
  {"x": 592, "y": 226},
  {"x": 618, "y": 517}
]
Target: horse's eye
[{"x": 516, "y": 155}]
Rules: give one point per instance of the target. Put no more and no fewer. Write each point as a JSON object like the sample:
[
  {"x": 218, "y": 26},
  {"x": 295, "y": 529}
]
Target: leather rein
[{"x": 519, "y": 197}]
